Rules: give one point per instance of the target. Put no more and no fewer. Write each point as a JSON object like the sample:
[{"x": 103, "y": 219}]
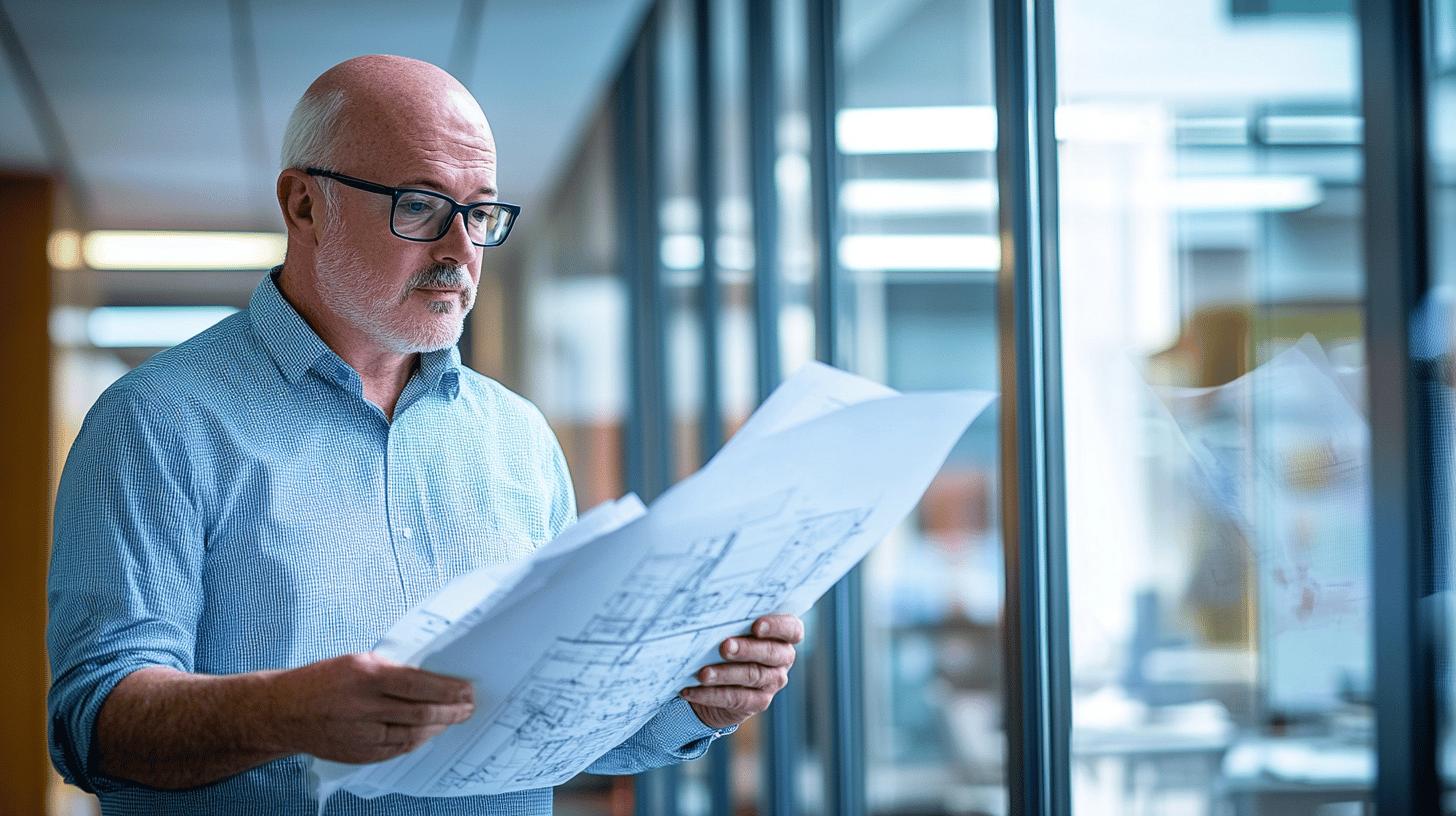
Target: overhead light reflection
[
  {"x": 150, "y": 326},
  {"x": 927, "y": 253},
  {"x": 124, "y": 249}
]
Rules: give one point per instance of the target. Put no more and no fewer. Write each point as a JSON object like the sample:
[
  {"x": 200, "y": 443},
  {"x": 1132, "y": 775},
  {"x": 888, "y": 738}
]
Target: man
[{"x": 244, "y": 515}]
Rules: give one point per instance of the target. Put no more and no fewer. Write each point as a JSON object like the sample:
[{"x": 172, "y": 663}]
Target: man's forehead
[
  {"x": 429, "y": 182},
  {"x": 420, "y": 147}
]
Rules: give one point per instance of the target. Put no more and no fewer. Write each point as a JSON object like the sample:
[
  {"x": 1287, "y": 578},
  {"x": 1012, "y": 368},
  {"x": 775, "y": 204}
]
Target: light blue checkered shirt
[{"x": 235, "y": 504}]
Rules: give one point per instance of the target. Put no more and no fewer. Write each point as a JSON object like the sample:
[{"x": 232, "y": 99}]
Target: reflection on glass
[
  {"x": 919, "y": 256},
  {"x": 1217, "y": 447}
]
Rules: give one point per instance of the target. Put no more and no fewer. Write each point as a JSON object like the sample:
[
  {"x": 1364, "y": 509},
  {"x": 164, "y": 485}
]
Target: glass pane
[
  {"x": 679, "y": 222},
  {"x": 681, "y": 267},
  {"x": 737, "y": 344},
  {"x": 795, "y": 272},
  {"x": 1217, "y": 448},
  {"x": 919, "y": 257},
  {"x": 575, "y": 360},
  {"x": 1434, "y": 348}
]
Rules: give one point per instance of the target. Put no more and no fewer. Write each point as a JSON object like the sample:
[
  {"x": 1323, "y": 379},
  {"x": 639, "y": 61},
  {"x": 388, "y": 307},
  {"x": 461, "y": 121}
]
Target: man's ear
[{"x": 302, "y": 213}]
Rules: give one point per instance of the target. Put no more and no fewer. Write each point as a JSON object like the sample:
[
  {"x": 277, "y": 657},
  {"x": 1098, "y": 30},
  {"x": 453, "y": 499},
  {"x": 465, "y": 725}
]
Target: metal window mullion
[
  {"x": 649, "y": 445},
  {"x": 780, "y": 734},
  {"x": 1398, "y": 276},
  {"x": 840, "y": 617},
  {"x": 710, "y": 431},
  {"x": 705, "y": 154},
  {"x": 763, "y": 157},
  {"x": 1037, "y": 671}
]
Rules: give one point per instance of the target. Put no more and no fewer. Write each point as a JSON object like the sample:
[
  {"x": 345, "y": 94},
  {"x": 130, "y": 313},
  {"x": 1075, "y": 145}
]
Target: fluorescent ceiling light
[
  {"x": 949, "y": 129},
  {"x": 118, "y": 249},
  {"x": 1245, "y": 193},
  {"x": 1311, "y": 130},
  {"x": 917, "y": 196},
  {"x": 930, "y": 253},
  {"x": 682, "y": 251},
  {"x": 149, "y": 326},
  {"x": 1212, "y": 130},
  {"x": 63, "y": 250}
]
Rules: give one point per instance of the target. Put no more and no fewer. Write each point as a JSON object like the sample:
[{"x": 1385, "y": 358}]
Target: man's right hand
[{"x": 363, "y": 708}]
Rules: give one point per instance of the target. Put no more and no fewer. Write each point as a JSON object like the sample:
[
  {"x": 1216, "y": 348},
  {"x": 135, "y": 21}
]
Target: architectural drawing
[
  {"x": 675, "y": 607},
  {"x": 606, "y": 624}
]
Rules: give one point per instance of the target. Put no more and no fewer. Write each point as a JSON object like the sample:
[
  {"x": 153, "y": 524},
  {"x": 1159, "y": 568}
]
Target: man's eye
[{"x": 417, "y": 206}]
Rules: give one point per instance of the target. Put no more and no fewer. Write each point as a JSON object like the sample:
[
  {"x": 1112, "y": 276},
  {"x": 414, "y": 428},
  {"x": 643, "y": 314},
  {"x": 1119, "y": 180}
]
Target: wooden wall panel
[{"x": 25, "y": 222}]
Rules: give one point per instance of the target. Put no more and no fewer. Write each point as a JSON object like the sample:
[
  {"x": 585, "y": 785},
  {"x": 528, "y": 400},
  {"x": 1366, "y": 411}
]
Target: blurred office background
[{"x": 1157, "y": 252}]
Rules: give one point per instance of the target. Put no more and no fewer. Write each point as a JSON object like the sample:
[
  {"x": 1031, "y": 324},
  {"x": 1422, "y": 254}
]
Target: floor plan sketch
[
  {"x": 599, "y": 632},
  {"x": 676, "y": 605},
  {"x": 699, "y": 587}
]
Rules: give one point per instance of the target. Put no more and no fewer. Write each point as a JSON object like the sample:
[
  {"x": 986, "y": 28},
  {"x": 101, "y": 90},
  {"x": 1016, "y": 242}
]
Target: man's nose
[{"x": 454, "y": 248}]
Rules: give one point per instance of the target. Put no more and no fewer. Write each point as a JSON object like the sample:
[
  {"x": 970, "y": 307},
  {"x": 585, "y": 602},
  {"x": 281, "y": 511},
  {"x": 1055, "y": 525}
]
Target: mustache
[{"x": 439, "y": 276}]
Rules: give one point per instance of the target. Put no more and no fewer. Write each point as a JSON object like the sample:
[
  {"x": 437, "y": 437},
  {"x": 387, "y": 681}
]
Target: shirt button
[{"x": 407, "y": 533}]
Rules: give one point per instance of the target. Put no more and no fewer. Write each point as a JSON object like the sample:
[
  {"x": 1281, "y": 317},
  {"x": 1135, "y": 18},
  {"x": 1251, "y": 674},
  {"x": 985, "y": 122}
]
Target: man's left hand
[{"x": 757, "y": 667}]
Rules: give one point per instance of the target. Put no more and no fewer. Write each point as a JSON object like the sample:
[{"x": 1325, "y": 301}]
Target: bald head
[
  {"x": 358, "y": 268},
  {"x": 361, "y": 113}
]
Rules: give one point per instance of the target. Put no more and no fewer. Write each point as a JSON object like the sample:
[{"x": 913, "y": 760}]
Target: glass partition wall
[
  {"x": 1194, "y": 584},
  {"x": 1216, "y": 440},
  {"x": 917, "y": 255}
]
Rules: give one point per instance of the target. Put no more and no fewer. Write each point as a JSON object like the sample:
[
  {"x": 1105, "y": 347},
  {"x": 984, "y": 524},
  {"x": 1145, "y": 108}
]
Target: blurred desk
[
  {"x": 1297, "y": 775},
  {"x": 1146, "y": 767}
]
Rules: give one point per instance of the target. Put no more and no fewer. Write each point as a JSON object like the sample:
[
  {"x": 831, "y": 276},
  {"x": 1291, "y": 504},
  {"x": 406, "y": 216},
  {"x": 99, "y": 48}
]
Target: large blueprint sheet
[{"x": 574, "y": 649}]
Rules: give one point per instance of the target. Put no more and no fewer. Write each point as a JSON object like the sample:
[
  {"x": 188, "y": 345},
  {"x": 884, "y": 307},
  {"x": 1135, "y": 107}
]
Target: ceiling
[{"x": 169, "y": 114}]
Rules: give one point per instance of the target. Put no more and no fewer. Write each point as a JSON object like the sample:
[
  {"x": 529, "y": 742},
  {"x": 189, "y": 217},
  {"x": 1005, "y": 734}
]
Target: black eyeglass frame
[{"x": 456, "y": 208}]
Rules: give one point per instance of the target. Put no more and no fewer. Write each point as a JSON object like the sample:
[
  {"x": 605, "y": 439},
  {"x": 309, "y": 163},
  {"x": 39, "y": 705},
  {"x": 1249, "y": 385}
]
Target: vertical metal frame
[
  {"x": 710, "y": 431},
  {"x": 840, "y": 618},
  {"x": 649, "y": 450},
  {"x": 1398, "y": 276},
  {"x": 763, "y": 155},
  {"x": 705, "y": 157},
  {"x": 1038, "y": 700},
  {"x": 648, "y": 454},
  {"x": 781, "y": 736}
]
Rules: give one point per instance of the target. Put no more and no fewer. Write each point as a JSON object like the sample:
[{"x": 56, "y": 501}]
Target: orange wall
[{"x": 25, "y": 222}]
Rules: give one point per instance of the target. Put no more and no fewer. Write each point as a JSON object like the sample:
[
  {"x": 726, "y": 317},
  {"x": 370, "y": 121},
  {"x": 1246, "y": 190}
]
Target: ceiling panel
[
  {"x": 23, "y": 148},
  {"x": 147, "y": 96},
  {"x": 540, "y": 72},
  {"x": 141, "y": 90}
]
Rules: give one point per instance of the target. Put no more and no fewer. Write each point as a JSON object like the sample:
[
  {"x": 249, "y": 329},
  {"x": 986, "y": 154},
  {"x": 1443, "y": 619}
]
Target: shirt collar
[
  {"x": 295, "y": 347},
  {"x": 291, "y": 342}
]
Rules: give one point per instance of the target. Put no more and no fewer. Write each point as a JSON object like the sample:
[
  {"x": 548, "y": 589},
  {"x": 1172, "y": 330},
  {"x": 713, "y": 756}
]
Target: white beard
[{"x": 347, "y": 287}]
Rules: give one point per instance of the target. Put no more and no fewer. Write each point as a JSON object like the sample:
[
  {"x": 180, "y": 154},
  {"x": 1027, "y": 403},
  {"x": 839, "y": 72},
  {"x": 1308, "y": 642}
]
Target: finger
[
  {"x": 400, "y": 712},
  {"x": 787, "y": 628},
  {"x": 408, "y": 683},
  {"x": 754, "y": 650},
  {"x": 752, "y": 675},
  {"x": 407, "y": 737},
  {"x": 738, "y": 699}
]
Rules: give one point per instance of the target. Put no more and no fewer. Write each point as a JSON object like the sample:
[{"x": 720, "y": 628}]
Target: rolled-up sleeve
[
  {"x": 674, "y": 734},
  {"x": 124, "y": 588}
]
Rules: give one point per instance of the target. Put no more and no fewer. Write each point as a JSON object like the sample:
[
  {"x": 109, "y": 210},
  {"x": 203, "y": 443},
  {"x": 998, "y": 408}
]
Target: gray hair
[{"x": 308, "y": 140}]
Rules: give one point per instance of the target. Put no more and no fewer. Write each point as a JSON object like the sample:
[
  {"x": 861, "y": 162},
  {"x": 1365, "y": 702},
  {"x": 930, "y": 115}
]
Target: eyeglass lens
[{"x": 427, "y": 217}]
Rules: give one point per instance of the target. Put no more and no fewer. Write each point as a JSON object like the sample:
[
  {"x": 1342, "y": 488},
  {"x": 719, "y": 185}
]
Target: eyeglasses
[{"x": 424, "y": 215}]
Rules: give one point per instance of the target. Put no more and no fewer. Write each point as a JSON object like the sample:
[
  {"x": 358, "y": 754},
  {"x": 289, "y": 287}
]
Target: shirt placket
[{"x": 419, "y": 569}]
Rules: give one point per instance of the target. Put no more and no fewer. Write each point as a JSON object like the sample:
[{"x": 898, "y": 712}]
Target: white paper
[
  {"x": 575, "y": 649},
  {"x": 1284, "y": 455}
]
